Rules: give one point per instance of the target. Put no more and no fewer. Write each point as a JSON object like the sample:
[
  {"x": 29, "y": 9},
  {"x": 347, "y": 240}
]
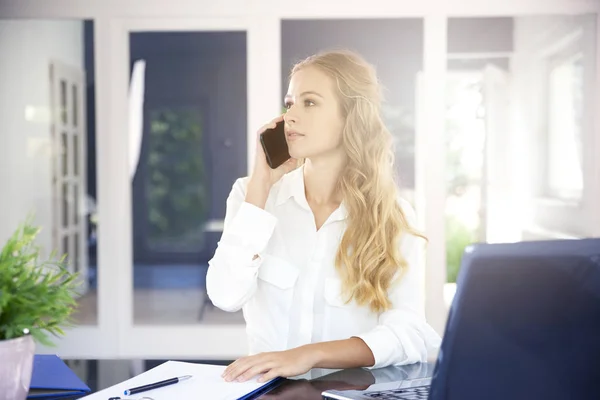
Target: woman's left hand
[{"x": 273, "y": 364}]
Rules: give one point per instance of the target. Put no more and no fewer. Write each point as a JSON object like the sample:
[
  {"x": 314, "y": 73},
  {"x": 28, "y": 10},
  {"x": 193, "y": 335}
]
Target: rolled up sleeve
[{"x": 232, "y": 272}]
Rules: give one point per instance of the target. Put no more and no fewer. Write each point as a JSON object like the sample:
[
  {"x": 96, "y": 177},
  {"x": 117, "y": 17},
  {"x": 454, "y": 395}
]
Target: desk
[
  {"x": 306, "y": 387},
  {"x": 311, "y": 387}
]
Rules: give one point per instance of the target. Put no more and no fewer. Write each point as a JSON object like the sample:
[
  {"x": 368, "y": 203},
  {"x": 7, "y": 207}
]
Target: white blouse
[{"x": 290, "y": 294}]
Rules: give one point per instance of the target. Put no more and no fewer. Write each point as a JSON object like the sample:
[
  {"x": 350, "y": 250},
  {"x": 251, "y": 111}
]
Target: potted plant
[{"x": 37, "y": 297}]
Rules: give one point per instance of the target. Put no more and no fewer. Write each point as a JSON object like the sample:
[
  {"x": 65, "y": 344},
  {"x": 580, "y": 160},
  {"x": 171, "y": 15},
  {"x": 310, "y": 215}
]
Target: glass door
[{"x": 183, "y": 114}]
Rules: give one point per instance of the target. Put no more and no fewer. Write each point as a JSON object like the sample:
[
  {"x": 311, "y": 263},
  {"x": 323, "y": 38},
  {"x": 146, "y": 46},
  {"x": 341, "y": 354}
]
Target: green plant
[
  {"x": 36, "y": 296},
  {"x": 458, "y": 236},
  {"x": 177, "y": 182}
]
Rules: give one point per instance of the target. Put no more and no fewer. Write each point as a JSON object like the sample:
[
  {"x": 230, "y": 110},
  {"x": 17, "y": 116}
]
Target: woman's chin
[{"x": 296, "y": 154}]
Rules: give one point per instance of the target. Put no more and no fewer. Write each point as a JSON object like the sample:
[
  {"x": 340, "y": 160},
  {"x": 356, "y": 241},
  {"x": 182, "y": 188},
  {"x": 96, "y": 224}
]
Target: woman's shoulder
[
  {"x": 408, "y": 210},
  {"x": 240, "y": 188}
]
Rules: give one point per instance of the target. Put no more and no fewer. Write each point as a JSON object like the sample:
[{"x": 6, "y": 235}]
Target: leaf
[{"x": 36, "y": 295}]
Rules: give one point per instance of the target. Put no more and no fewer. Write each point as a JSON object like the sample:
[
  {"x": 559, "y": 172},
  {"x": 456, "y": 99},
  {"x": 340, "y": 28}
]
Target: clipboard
[{"x": 206, "y": 383}]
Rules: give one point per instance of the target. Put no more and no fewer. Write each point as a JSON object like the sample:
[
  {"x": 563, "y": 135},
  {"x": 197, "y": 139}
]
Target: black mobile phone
[{"x": 275, "y": 146}]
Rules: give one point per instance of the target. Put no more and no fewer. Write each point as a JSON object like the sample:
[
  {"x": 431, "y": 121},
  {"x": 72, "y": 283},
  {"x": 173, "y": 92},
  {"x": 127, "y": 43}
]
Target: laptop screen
[{"x": 525, "y": 323}]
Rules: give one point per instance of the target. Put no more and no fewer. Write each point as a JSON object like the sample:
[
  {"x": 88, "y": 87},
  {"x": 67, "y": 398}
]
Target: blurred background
[{"x": 124, "y": 125}]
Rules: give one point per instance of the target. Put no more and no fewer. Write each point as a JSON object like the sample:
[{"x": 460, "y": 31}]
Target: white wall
[
  {"x": 535, "y": 38},
  {"x": 26, "y": 49}
]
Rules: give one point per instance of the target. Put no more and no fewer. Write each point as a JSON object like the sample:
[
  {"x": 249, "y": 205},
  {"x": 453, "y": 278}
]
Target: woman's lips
[{"x": 291, "y": 135}]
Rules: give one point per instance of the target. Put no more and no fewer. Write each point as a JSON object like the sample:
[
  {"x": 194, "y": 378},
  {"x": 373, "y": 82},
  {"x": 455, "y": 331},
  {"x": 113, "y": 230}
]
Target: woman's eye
[
  {"x": 309, "y": 103},
  {"x": 288, "y": 104}
]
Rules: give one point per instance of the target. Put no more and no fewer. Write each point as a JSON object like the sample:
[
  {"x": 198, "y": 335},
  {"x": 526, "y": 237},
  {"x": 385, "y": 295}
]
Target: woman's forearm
[{"x": 347, "y": 353}]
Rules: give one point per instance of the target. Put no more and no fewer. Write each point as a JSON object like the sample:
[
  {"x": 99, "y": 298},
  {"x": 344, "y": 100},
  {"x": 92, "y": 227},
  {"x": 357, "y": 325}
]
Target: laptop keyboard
[{"x": 416, "y": 393}]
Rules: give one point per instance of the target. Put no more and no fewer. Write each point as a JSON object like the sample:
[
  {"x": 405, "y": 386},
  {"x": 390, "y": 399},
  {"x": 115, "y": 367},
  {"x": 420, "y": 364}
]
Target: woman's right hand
[{"x": 263, "y": 176}]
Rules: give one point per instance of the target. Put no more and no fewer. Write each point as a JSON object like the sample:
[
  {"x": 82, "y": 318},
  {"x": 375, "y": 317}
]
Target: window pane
[
  {"x": 65, "y": 205},
  {"x": 75, "y": 155},
  {"x": 75, "y": 258},
  {"x": 64, "y": 152},
  {"x": 193, "y": 147},
  {"x": 42, "y": 61},
  {"x": 518, "y": 128},
  {"x": 66, "y": 249},
  {"x": 75, "y": 105},
  {"x": 397, "y": 67},
  {"x": 75, "y": 207},
  {"x": 565, "y": 156},
  {"x": 63, "y": 101}
]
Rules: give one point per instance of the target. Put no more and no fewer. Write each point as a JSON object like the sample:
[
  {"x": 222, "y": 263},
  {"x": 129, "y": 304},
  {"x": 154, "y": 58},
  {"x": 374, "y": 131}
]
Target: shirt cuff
[{"x": 252, "y": 227}]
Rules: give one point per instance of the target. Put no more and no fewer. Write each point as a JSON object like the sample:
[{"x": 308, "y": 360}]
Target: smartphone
[{"x": 275, "y": 146}]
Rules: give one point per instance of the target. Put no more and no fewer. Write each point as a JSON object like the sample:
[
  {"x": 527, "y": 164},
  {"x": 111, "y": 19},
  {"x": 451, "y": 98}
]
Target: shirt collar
[{"x": 292, "y": 185}]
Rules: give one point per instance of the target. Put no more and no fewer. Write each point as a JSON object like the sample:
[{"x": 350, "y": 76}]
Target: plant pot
[{"x": 16, "y": 367}]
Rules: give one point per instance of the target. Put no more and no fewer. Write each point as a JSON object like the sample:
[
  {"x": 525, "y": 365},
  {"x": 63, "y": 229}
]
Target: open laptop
[{"x": 524, "y": 324}]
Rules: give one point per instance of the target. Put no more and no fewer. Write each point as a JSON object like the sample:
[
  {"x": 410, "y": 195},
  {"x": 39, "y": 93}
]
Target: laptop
[{"x": 524, "y": 324}]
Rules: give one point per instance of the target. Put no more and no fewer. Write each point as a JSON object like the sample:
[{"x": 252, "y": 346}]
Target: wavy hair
[{"x": 368, "y": 259}]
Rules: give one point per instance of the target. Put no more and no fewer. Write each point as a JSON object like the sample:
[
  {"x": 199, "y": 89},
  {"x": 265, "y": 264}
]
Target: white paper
[{"x": 206, "y": 383}]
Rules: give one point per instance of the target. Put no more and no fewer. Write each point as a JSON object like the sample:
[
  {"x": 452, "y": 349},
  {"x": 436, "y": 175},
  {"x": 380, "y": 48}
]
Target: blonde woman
[{"x": 323, "y": 258}]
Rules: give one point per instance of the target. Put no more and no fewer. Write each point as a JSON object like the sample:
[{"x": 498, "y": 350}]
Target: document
[{"x": 206, "y": 383}]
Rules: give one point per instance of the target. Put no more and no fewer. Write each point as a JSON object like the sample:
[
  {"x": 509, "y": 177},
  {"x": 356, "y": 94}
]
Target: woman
[{"x": 322, "y": 258}]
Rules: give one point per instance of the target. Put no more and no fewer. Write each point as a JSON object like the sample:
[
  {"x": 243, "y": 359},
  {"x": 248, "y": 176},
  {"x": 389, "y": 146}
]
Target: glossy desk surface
[
  {"x": 311, "y": 386},
  {"x": 100, "y": 374}
]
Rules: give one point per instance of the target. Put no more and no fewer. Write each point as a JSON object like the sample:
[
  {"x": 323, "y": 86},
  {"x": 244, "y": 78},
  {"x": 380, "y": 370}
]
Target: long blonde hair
[{"x": 368, "y": 259}]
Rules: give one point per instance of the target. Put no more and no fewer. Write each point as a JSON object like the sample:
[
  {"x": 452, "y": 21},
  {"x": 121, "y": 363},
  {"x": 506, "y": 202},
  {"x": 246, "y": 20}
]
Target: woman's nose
[{"x": 289, "y": 117}]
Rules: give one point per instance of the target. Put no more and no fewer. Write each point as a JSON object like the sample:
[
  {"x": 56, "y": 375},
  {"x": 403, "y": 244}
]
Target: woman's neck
[{"x": 321, "y": 178}]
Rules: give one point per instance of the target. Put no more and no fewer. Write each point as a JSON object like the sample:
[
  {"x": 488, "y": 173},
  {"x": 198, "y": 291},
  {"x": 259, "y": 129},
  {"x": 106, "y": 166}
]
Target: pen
[{"x": 156, "y": 385}]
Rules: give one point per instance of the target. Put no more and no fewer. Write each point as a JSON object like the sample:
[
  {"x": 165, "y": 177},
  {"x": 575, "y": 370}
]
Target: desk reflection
[{"x": 311, "y": 385}]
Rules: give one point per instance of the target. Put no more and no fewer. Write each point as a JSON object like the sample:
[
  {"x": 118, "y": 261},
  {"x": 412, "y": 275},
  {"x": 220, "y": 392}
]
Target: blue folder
[
  {"x": 52, "y": 379},
  {"x": 262, "y": 390}
]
